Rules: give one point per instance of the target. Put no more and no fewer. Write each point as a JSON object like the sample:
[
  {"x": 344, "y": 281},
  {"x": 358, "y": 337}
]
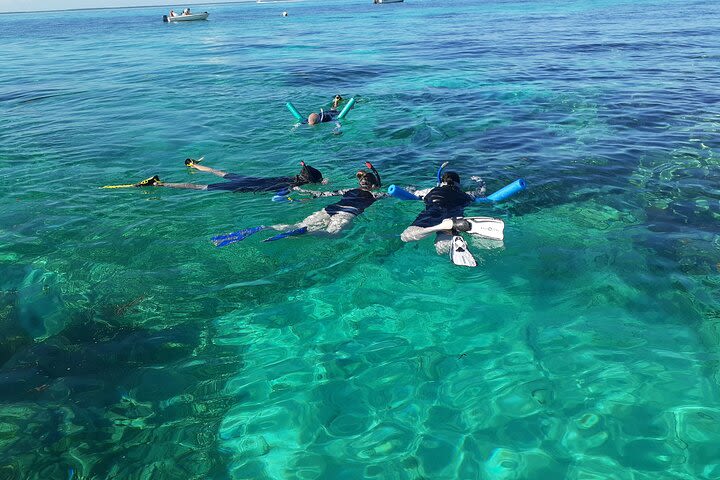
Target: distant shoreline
[{"x": 143, "y": 6}]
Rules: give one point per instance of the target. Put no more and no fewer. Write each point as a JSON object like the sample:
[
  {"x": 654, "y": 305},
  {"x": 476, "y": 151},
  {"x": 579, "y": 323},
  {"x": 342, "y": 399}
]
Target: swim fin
[
  {"x": 289, "y": 233},
  {"x": 282, "y": 196},
  {"x": 487, "y": 227},
  {"x": 189, "y": 162},
  {"x": 148, "y": 182},
  {"x": 227, "y": 239},
  {"x": 459, "y": 253},
  {"x": 127, "y": 185}
]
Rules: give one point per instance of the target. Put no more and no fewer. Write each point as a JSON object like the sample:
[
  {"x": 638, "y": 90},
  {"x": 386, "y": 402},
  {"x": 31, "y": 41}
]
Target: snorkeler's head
[
  {"x": 309, "y": 174},
  {"x": 367, "y": 179},
  {"x": 313, "y": 118},
  {"x": 370, "y": 179},
  {"x": 450, "y": 178}
]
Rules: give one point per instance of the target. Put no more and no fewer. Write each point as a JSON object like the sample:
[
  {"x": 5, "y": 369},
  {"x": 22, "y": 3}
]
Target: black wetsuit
[
  {"x": 353, "y": 201},
  {"x": 241, "y": 183},
  {"x": 443, "y": 202},
  {"x": 328, "y": 116}
]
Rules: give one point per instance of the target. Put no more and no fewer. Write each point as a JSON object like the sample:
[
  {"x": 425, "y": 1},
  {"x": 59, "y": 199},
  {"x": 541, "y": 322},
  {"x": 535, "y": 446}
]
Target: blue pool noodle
[
  {"x": 347, "y": 108},
  {"x": 506, "y": 192},
  {"x": 401, "y": 193},
  {"x": 294, "y": 111}
]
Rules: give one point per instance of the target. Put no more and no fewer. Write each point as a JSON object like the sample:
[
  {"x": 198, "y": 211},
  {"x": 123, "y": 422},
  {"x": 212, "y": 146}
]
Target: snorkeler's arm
[
  {"x": 335, "y": 193},
  {"x": 378, "y": 196},
  {"x": 479, "y": 190},
  {"x": 420, "y": 193}
]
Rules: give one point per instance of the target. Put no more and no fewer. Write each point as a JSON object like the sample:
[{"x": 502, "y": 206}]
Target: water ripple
[{"x": 584, "y": 346}]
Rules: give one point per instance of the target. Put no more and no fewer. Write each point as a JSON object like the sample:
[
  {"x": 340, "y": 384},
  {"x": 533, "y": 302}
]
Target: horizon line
[{"x": 143, "y": 6}]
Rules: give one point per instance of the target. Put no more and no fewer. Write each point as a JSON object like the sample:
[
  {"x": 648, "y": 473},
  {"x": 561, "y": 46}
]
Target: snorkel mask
[
  {"x": 369, "y": 180},
  {"x": 309, "y": 174},
  {"x": 451, "y": 178}
]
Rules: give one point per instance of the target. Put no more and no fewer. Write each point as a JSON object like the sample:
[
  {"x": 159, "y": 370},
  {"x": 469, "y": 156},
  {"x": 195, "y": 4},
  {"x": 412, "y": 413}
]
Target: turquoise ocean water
[{"x": 586, "y": 347}]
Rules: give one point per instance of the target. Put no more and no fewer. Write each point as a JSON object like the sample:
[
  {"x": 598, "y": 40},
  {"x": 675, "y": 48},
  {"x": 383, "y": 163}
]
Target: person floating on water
[
  {"x": 241, "y": 183},
  {"x": 330, "y": 220},
  {"x": 326, "y": 116},
  {"x": 332, "y": 115},
  {"x": 443, "y": 215}
]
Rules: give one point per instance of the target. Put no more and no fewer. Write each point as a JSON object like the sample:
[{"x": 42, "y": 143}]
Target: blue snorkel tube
[{"x": 439, "y": 172}]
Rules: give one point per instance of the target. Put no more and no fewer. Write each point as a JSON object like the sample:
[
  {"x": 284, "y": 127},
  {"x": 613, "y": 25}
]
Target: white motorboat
[
  {"x": 186, "y": 18},
  {"x": 387, "y": 1}
]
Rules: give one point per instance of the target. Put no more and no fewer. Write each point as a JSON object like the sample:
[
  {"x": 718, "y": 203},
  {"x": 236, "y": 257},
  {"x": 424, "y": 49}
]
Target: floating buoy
[
  {"x": 294, "y": 111},
  {"x": 401, "y": 193},
  {"x": 346, "y": 109},
  {"x": 504, "y": 193}
]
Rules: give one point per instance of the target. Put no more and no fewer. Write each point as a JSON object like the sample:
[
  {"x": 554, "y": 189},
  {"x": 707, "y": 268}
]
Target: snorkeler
[
  {"x": 330, "y": 220},
  {"x": 241, "y": 183},
  {"x": 443, "y": 215},
  {"x": 332, "y": 115}
]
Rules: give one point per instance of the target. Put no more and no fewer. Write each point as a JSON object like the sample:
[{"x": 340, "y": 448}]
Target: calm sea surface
[{"x": 585, "y": 347}]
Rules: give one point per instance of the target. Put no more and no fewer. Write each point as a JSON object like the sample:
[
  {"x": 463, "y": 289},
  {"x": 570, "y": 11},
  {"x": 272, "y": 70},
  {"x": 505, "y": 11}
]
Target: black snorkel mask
[
  {"x": 308, "y": 174},
  {"x": 451, "y": 179}
]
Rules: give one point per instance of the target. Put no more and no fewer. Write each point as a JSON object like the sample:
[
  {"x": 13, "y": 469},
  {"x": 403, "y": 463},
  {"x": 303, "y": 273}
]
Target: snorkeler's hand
[{"x": 480, "y": 191}]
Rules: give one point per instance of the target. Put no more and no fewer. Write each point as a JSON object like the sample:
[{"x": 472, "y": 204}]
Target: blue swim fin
[
  {"x": 227, "y": 239},
  {"x": 289, "y": 233},
  {"x": 283, "y": 196}
]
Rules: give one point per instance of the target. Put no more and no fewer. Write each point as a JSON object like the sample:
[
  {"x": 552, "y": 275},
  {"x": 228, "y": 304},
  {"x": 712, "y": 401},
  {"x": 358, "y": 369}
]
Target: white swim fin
[
  {"x": 487, "y": 227},
  {"x": 460, "y": 254}
]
